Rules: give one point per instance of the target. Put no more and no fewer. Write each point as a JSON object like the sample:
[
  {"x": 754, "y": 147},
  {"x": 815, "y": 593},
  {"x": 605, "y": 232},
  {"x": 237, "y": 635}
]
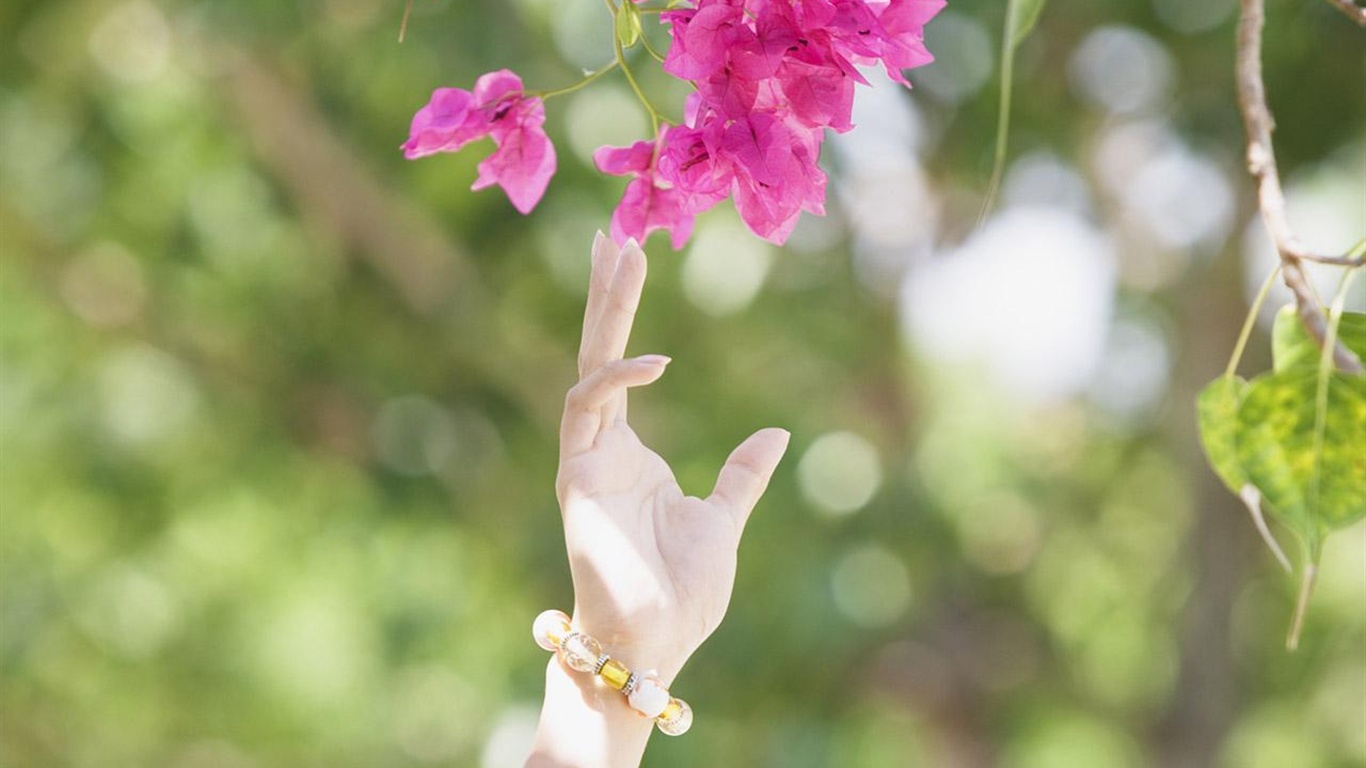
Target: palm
[{"x": 652, "y": 568}]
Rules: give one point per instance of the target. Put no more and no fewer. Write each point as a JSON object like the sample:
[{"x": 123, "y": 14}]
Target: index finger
[
  {"x": 607, "y": 340},
  {"x": 604, "y": 256}
]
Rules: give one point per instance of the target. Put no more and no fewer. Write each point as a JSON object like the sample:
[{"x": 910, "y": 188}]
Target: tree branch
[
  {"x": 1336, "y": 261},
  {"x": 1351, "y": 10},
  {"x": 1261, "y": 163}
]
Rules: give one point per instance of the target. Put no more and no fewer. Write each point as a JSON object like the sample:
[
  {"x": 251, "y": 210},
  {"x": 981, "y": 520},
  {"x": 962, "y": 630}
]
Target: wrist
[
  {"x": 660, "y": 658},
  {"x": 586, "y": 724}
]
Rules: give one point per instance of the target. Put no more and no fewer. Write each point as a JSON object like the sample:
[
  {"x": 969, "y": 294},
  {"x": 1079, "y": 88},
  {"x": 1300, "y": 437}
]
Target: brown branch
[
  {"x": 1351, "y": 10},
  {"x": 1336, "y": 261},
  {"x": 1261, "y": 163}
]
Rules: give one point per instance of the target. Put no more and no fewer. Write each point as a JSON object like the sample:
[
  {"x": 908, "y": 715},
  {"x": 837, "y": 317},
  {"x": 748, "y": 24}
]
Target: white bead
[
  {"x": 649, "y": 697},
  {"x": 549, "y": 628}
]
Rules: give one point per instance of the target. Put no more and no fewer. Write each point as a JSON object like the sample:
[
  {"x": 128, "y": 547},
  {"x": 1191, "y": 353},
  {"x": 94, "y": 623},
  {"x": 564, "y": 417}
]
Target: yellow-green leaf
[
  {"x": 1311, "y": 470},
  {"x": 1218, "y": 412},
  {"x": 628, "y": 24},
  {"x": 1291, "y": 346}
]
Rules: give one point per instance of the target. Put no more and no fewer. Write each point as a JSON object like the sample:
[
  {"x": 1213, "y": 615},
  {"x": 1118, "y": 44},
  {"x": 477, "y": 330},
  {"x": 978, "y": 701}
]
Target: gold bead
[{"x": 614, "y": 673}]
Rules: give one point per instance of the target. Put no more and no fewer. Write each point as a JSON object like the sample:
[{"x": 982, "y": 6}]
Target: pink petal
[
  {"x": 624, "y": 161},
  {"x": 446, "y": 123},
  {"x": 760, "y": 146},
  {"x": 728, "y": 93},
  {"x": 645, "y": 208},
  {"x": 818, "y": 96},
  {"x": 702, "y": 40},
  {"x": 494, "y": 86},
  {"x": 522, "y": 166},
  {"x": 688, "y": 162}
]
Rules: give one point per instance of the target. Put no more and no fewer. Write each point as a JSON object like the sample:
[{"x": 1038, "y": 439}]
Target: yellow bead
[{"x": 614, "y": 673}]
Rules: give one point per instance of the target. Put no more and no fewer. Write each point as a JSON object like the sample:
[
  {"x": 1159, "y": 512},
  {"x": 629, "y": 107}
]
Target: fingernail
[
  {"x": 597, "y": 239},
  {"x": 630, "y": 244},
  {"x": 655, "y": 359}
]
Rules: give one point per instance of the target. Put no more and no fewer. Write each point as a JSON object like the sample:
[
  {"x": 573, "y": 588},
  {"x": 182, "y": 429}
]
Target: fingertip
[
  {"x": 659, "y": 360},
  {"x": 778, "y": 437},
  {"x": 632, "y": 261}
]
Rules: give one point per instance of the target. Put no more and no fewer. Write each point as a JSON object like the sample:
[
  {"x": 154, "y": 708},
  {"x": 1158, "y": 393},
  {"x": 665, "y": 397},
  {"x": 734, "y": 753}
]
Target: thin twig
[
  {"x": 1261, "y": 163},
  {"x": 1351, "y": 10},
  {"x": 1336, "y": 261}
]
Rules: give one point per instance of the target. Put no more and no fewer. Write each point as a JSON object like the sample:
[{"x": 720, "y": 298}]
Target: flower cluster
[
  {"x": 497, "y": 108},
  {"x": 770, "y": 77}
]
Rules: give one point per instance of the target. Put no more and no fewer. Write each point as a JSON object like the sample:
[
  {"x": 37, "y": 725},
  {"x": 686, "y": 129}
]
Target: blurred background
[{"x": 279, "y": 409}]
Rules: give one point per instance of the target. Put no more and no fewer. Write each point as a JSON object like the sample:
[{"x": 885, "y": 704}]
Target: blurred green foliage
[{"x": 278, "y": 415}]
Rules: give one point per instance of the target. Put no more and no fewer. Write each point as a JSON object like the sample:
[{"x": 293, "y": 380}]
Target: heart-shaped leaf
[{"x": 1217, "y": 408}]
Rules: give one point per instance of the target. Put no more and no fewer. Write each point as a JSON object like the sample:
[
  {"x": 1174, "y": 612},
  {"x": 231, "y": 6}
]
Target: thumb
[{"x": 746, "y": 473}]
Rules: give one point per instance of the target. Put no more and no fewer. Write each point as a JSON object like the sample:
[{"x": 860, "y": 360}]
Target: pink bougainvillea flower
[
  {"x": 904, "y": 48},
  {"x": 703, "y": 39},
  {"x": 769, "y": 78},
  {"x": 524, "y": 160},
  {"x": 819, "y": 95},
  {"x": 649, "y": 203},
  {"x": 689, "y": 160},
  {"x": 647, "y": 206},
  {"x": 777, "y": 175}
]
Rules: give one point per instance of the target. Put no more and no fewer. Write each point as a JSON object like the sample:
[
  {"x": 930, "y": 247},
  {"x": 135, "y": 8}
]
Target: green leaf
[
  {"x": 1311, "y": 473},
  {"x": 1024, "y": 14},
  {"x": 1218, "y": 412},
  {"x": 628, "y": 24},
  {"x": 1292, "y": 347}
]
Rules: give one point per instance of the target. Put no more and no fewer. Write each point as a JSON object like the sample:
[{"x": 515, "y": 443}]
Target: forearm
[{"x": 585, "y": 724}]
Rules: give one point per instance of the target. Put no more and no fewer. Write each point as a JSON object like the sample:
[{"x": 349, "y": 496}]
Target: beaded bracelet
[{"x": 645, "y": 693}]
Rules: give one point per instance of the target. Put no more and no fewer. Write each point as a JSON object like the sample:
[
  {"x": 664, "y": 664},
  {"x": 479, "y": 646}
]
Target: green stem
[
  {"x": 650, "y": 49},
  {"x": 1311, "y": 572},
  {"x": 1250, "y": 322},
  {"x": 590, "y": 77},
  {"x": 635, "y": 86},
  {"x": 1358, "y": 251},
  {"x": 1003, "y": 118}
]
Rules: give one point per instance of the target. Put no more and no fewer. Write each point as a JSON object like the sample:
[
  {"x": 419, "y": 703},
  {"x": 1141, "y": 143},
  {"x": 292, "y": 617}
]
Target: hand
[{"x": 653, "y": 569}]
